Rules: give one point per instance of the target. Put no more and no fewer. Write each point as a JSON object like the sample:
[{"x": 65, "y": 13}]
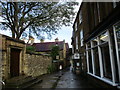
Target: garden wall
[{"x": 36, "y": 64}]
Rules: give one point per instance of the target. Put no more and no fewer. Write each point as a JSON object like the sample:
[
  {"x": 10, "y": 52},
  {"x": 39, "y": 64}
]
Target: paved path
[
  {"x": 63, "y": 79},
  {"x": 70, "y": 80},
  {"x": 48, "y": 81}
]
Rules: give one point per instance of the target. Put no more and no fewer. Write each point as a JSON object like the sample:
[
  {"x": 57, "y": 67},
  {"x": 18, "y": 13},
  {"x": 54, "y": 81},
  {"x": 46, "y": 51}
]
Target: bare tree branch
[{"x": 40, "y": 17}]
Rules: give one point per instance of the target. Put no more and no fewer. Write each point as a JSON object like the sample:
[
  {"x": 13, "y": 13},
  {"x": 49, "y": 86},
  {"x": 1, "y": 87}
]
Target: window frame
[
  {"x": 101, "y": 77},
  {"x": 80, "y": 17},
  {"x": 81, "y": 38},
  {"x": 76, "y": 26},
  {"x": 114, "y": 3},
  {"x": 76, "y": 42},
  {"x": 116, "y": 47}
]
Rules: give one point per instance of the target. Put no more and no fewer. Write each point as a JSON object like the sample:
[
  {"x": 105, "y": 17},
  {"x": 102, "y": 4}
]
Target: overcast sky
[{"x": 65, "y": 33}]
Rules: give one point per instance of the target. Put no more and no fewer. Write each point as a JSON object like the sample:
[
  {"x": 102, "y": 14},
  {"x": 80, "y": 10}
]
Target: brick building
[{"x": 96, "y": 37}]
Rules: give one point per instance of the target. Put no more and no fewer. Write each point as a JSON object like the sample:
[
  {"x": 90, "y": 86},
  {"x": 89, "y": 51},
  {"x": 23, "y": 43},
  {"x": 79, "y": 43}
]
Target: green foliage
[
  {"x": 30, "y": 48},
  {"x": 51, "y": 68},
  {"x": 54, "y": 52},
  {"x": 39, "y": 17}
]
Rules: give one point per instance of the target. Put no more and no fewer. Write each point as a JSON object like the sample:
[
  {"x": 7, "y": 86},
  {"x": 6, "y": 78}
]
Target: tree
[
  {"x": 54, "y": 52},
  {"x": 38, "y": 17}
]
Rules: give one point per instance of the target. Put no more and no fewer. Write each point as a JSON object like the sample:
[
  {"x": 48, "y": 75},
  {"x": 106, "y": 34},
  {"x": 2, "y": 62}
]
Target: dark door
[{"x": 14, "y": 62}]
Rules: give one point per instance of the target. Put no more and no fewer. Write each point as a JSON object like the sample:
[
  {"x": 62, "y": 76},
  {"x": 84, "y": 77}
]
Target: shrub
[
  {"x": 30, "y": 48},
  {"x": 54, "y": 52},
  {"x": 51, "y": 68}
]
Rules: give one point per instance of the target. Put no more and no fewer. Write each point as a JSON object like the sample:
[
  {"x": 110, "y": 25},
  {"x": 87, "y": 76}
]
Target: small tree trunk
[
  {"x": 18, "y": 37},
  {"x": 13, "y": 34}
]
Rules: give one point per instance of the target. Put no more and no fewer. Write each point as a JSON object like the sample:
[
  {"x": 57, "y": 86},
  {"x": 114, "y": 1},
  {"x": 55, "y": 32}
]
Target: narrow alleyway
[
  {"x": 63, "y": 79},
  {"x": 71, "y": 80}
]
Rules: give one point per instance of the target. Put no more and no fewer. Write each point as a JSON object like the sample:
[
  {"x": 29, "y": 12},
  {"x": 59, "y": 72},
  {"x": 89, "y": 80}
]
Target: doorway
[{"x": 14, "y": 62}]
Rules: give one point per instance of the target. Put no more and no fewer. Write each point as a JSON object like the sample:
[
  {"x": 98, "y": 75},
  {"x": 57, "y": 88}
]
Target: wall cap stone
[
  {"x": 35, "y": 53},
  {"x": 15, "y": 40}
]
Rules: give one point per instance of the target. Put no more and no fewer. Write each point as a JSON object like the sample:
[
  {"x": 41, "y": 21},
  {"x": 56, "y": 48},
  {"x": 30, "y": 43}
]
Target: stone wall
[
  {"x": 9, "y": 43},
  {"x": 0, "y": 58},
  {"x": 36, "y": 64},
  {"x": 28, "y": 64}
]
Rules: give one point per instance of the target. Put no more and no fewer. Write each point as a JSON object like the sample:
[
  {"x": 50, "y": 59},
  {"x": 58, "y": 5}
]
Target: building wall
[
  {"x": 99, "y": 57},
  {"x": 7, "y": 44},
  {"x": 93, "y": 14},
  {"x": 36, "y": 65},
  {"x": 29, "y": 64}
]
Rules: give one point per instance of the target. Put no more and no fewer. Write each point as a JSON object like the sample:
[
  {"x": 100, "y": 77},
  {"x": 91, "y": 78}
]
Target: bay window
[{"x": 100, "y": 58}]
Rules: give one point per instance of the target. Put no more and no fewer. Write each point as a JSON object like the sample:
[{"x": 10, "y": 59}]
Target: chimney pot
[{"x": 56, "y": 40}]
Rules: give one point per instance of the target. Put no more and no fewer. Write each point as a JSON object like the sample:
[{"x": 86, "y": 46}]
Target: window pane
[
  {"x": 90, "y": 61},
  {"x": 117, "y": 29},
  {"x": 104, "y": 37},
  {"x": 81, "y": 37},
  {"x": 89, "y": 45},
  {"x": 80, "y": 17},
  {"x": 106, "y": 61},
  {"x": 96, "y": 62},
  {"x": 81, "y": 42},
  {"x": 81, "y": 34},
  {"x": 76, "y": 26},
  {"x": 95, "y": 42},
  {"x": 76, "y": 42}
]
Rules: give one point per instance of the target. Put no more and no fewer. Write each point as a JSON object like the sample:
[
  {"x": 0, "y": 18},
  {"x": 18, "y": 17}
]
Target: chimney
[
  {"x": 31, "y": 39},
  {"x": 56, "y": 40},
  {"x": 64, "y": 40},
  {"x": 41, "y": 40}
]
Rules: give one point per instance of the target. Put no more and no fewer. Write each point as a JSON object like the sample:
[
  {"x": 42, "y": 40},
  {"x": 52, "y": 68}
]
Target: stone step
[
  {"x": 21, "y": 82},
  {"x": 31, "y": 83}
]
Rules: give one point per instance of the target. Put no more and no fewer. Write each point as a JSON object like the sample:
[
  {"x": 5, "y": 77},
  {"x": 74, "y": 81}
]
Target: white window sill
[
  {"x": 118, "y": 87},
  {"x": 104, "y": 79}
]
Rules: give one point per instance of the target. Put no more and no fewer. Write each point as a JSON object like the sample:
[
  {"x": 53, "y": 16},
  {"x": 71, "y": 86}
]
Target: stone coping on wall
[
  {"x": 10, "y": 38},
  {"x": 36, "y": 53}
]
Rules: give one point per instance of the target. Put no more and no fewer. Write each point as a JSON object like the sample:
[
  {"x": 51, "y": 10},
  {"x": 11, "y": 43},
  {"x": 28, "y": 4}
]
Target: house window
[
  {"x": 104, "y": 45},
  {"x": 106, "y": 61},
  {"x": 72, "y": 49},
  {"x": 89, "y": 58},
  {"x": 104, "y": 38},
  {"x": 95, "y": 42},
  {"x": 95, "y": 57},
  {"x": 76, "y": 42},
  {"x": 80, "y": 17},
  {"x": 81, "y": 37},
  {"x": 114, "y": 3},
  {"x": 96, "y": 61},
  {"x": 98, "y": 8},
  {"x": 100, "y": 59},
  {"x": 90, "y": 61},
  {"x": 76, "y": 26}
]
